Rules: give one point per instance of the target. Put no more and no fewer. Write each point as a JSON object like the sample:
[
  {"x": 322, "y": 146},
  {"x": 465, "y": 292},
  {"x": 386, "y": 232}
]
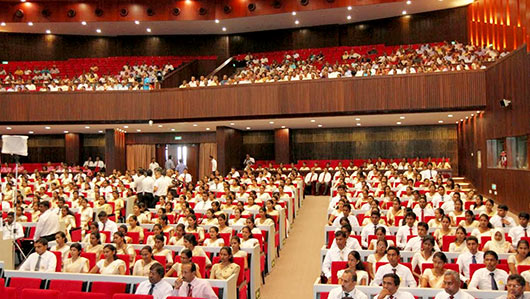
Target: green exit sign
[{"x": 178, "y": 137}]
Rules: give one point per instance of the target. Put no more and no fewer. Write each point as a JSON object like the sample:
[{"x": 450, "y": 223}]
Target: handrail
[{"x": 220, "y": 67}]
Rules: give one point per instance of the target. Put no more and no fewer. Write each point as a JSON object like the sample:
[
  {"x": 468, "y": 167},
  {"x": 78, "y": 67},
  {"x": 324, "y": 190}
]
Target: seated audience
[
  {"x": 142, "y": 266},
  {"x": 41, "y": 260},
  {"x": 111, "y": 264},
  {"x": 489, "y": 278},
  {"x": 451, "y": 284},
  {"x": 391, "y": 283},
  {"x": 155, "y": 285},
  {"x": 347, "y": 289},
  {"x": 395, "y": 268},
  {"x": 76, "y": 263}
]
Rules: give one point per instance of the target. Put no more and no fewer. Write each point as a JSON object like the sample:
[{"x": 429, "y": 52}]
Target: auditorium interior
[{"x": 157, "y": 149}]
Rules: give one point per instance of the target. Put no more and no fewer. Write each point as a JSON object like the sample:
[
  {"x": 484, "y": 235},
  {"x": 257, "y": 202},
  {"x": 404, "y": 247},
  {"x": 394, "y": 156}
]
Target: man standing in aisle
[
  {"x": 148, "y": 185},
  {"x": 213, "y": 164},
  {"x": 169, "y": 163},
  {"x": 48, "y": 224}
]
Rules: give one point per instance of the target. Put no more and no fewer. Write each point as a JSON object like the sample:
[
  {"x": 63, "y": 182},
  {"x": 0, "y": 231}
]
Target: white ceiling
[
  {"x": 239, "y": 25},
  {"x": 410, "y": 119}
]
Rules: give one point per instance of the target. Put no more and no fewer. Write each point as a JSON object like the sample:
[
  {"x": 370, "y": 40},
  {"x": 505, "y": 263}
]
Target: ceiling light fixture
[
  {"x": 478, "y": 112},
  {"x": 98, "y": 30},
  {"x": 297, "y": 22},
  {"x": 313, "y": 120},
  {"x": 472, "y": 114},
  {"x": 224, "y": 29},
  {"x": 358, "y": 125},
  {"x": 320, "y": 126},
  {"x": 404, "y": 12},
  {"x": 232, "y": 124},
  {"x": 48, "y": 31},
  {"x": 216, "y": 21},
  {"x": 100, "y": 131},
  {"x": 137, "y": 22},
  {"x": 248, "y": 128},
  {"x": 450, "y": 115},
  {"x": 467, "y": 117},
  {"x": 207, "y": 129},
  {"x": 148, "y": 29},
  {"x": 3, "y": 24},
  {"x": 160, "y": 126},
  {"x": 66, "y": 132},
  {"x": 409, "y": 2},
  {"x": 195, "y": 125},
  {"x": 348, "y": 17},
  {"x": 350, "y": 8},
  {"x": 271, "y": 122},
  {"x": 283, "y": 127},
  {"x": 8, "y": 128},
  {"x": 22, "y": 1},
  {"x": 401, "y": 117},
  {"x": 31, "y": 132},
  {"x": 87, "y": 127},
  {"x": 47, "y": 128},
  {"x": 398, "y": 123},
  {"x": 125, "y": 127},
  {"x": 357, "y": 119},
  {"x": 138, "y": 130},
  {"x": 30, "y": 23},
  {"x": 173, "y": 130},
  {"x": 294, "y": 13},
  {"x": 83, "y": 23},
  {"x": 440, "y": 121}
]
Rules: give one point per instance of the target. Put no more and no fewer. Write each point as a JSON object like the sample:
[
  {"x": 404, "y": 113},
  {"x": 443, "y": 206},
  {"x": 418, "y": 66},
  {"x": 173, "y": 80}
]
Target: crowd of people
[
  {"x": 376, "y": 214},
  {"x": 450, "y": 56},
  {"x": 130, "y": 77}
]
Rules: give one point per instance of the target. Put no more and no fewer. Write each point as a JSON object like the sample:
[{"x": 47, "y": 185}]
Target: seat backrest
[
  {"x": 41, "y": 294},
  {"x": 131, "y": 296},
  {"x": 64, "y": 286},
  {"x": 59, "y": 256},
  {"x": 127, "y": 259},
  {"x": 91, "y": 295},
  {"x": 91, "y": 257},
  {"x": 76, "y": 235},
  {"x": 336, "y": 266},
  {"x": 25, "y": 283},
  {"x": 109, "y": 288},
  {"x": 446, "y": 241},
  {"x": 135, "y": 237},
  {"x": 161, "y": 259},
  {"x": 201, "y": 262}
]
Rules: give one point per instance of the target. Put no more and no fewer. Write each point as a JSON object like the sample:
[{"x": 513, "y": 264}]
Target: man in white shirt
[
  {"x": 105, "y": 224},
  {"x": 48, "y": 224},
  {"x": 351, "y": 242},
  {"x": 502, "y": 219},
  {"x": 340, "y": 253},
  {"x": 516, "y": 285},
  {"x": 12, "y": 230},
  {"x": 155, "y": 285},
  {"x": 41, "y": 260},
  {"x": 428, "y": 173},
  {"x": 148, "y": 186},
  {"x": 324, "y": 179},
  {"x": 371, "y": 228},
  {"x": 407, "y": 230},
  {"x": 489, "y": 278},
  {"x": 169, "y": 163},
  {"x": 160, "y": 186},
  {"x": 185, "y": 176},
  {"x": 423, "y": 209},
  {"x": 190, "y": 286},
  {"x": 347, "y": 288},
  {"x": 341, "y": 191},
  {"x": 391, "y": 284},
  {"x": 99, "y": 164},
  {"x": 415, "y": 243},
  {"x": 153, "y": 165},
  {"x": 249, "y": 161},
  {"x": 451, "y": 286},
  {"x": 440, "y": 197},
  {"x": 393, "y": 267},
  {"x": 346, "y": 210},
  {"x": 521, "y": 230},
  {"x": 87, "y": 163},
  {"x": 472, "y": 256},
  {"x": 310, "y": 180},
  {"x": 213, "y": 164}
]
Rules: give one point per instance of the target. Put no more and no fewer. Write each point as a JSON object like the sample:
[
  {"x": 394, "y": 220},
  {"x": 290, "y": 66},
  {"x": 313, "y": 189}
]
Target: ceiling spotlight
[
  {"x": 31, "y": 132},
  {"x": 8, "y": 128},
  {"x": 224, "y": 28},
  {"x": 294, "y": 13},
  {"x": 440, "y": 121},
  {"x": 283, "y": 127},
  {"x": 137, "y": 22},
  {"x": 150, "y": 122},
  {"x": 358, "y": 125},
  {"x": 472, "y": 114},
  {"x": 98, "y": 30},
  {"x": 3, "y": 24},
  {"x": 467, "y": 117},
  {"x": 138, "y": 130},
  {"x": 216, "y": 21},
  {"x": 30, "y": 23},
  {"x": 478, "y": 112},
  {"x": 450, "y": 115},
  {"x": 456, "y": 121},
  {"x": 83, "y": 23},
  {"x": 348, "y": 17},
  {"x": 248, "y": 128},
  {"x": 173, "y": 130},
  {"x": 320, "y": 126},
  {"x": 271, "y": 122},
  {"x": 87, "y": 127},
  {"x": 47, "y": 128},
  {"x": 409, "y": 2},
  {"x": 350, "y": 8},
  {"x": 48, "y": 31},
  {"x": 313, "y": 120},
  {"x": 232, "y": 124},
  {"x": 160, "y": 126},
  {"x": 22, "y": 1},
  {"x": 207, "y": 129},
  {"x": 404, "y": 12},
  {"x": 461, "y": 120},
  {"x": 297, "y": 22},
  {"x": 195, "y": 125},
  {"x": 357, "y": 119},
  {"x": 148, "y": 29},
  {"x": 125, "y": 127},
  {"x": 100, "y": 131},
  {"x": 398, "y": 123},
  {"x": 401, "y": 117},
  {"x": 66, "y": 132}
]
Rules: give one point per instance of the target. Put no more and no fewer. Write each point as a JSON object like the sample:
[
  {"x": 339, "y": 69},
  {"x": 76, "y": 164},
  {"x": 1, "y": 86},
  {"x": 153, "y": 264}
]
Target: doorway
[{"x": 188, "y": 153}]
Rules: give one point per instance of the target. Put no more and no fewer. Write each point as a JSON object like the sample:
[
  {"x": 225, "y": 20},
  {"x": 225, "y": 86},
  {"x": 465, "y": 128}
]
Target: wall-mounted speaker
[
  {"x": 98, "y": 12},
  {"x": 46, "y": 13},
  {"x": 150, "y": 12},
  {"x": 304, "y": 2},
  {"x": 124, "y": 12},
  {"x": 276, "y": 4},
  {"x": 251, "y": 7},
  {"x": 71, "y": 13},
  {"x": 227, "y": 9},
  {"x": 19, "y": 13},
  {"x": 175, "y": 11},
  {"x": 203, "y": 11}
]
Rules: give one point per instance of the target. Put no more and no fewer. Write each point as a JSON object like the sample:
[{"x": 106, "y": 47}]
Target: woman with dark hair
[
  {"x": 178, "y": 237},
  {"x": 444, "y": 230},
  {"x": 159, "y": 250},
  {"x": 141, "y": 266},
  {"x": 434, "y": 278},
  {"x": 226, "y": 266},
  {"x": 489, "y": 211},
  {"x": 264, "y": 218},
  {"x": 484, "y": 227},
  {"x": 379, "y": 255},
  {"x": 122, "y": 247},
  {"x": 437, "y": 221},
  {"x": 190, "y": 242},
  {"x": 76, "y": 263},
  {"x": 214, "y": 240},
  {"x": 186, "y": 256},
  {"x": 470, "y": 222},
  {"x": 166, "y": 228},
  {"x": 247, "y": 238},
  {"x": 396, "y": 210},
  {"x": 134, "y": 226},
  {"x": 66, "y": 220},
  {"x": 157, "y": 230},
  {"x": 520, "y": 257},
  {"x": 459, "y": 245},
  {"x": 111, "y": 264},
  {"x": 237, "y": 220},
  {"x": 380, "y": 234},
  {"x": 355, "y": 264},
  {"x": 60, "y": 240},
  {"x": 223, "y": 224},
  {"x": 94, "y": 244},
  {"x": 235, "y": 244},
  {"x": 210, "y": 218},
  {"x": 424, "y": 256},
  {"x": 193, "y": 227}
]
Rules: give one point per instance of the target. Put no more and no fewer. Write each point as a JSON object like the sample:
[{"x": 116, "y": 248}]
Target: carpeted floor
[{"x": 299, "y": 262}]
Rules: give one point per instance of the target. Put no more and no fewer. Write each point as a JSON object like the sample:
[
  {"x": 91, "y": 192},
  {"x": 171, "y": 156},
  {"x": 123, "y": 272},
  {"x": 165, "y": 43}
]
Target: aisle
[{"x": 299, "y": 265}]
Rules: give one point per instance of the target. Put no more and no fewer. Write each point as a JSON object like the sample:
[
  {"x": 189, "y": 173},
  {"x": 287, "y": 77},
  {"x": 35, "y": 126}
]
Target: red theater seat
[
  {"x": 82, "y": 295},
  {"x": 109, "y": 288},
  {"x": 20, "y": 283},
  {"x": 131, "y": 296},
  {"x": 65, "y": 286},
  {"x": 41, "y": 294}
]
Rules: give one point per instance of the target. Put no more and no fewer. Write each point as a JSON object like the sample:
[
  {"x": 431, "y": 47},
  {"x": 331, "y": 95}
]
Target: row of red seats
[{"x": 335, "y": 163}]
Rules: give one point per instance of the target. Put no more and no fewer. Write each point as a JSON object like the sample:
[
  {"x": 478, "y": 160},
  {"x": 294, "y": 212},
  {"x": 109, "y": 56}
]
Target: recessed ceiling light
[
  {"x": 478, "y": 112},
  {"x": 232, "y": 124},
  {"x": 216, "y": 21},
  {"x": 320, "y": 126},
  {"x": 294, "y": 13},
  {"x": 283, "y": 127},
  {"x": 87, "y": 127},
  {"x": 207, "y": 129},
  {"x": 47, "y": 128},
  {"x": 358, "y": 124},
  {"x": 30, "y": 23},
  {"x": 173, "y": 130},
  {"x": 467, "y": 117},
  {"x": 409, "y": 2},
  {"x": 450, "y": 115},
  {"x": 224, "y": 28},
  {"x": 98, "y": 30},
  {"x": 313, "y": 120},
  {"x": 148, "y": 29},
  {"x": 404, "y": 12},
  {"x": 440, "y": 121},
  {"x": 456, "y": 121},
  {"x": 31, "y": 132},
  {"x": 195, "y": 125},
  {"x": 472, "y": 114},
  {"x": 461, "y": 120},
  {"x": 160, "y": 126},
  {"x": 125, "y": 127},
  {"x": 138, "y": 130},
  {"x": 348, "y": 17},
  {"x": 297, "y": 22},
  {"x": 8, "y": 128},
  {"x": 3, "y": 24},
  {"x": 357, "y": 118},
  {"x": 350, "y": 8},
  {"x": 137, "y": 22},
  {"x": 398, "y": 123},
  {"x": 48, "y": 31},
  {"x": 100, "y": 131},
  {"x": 248, "y": 128},
  {"x": 22, "y": 0},
  {"x": 401, "y": 117},
  {"x": 271, "y": 122},
  {"x": 83, "y": 23},
  {"x": 66, "y": 132}
]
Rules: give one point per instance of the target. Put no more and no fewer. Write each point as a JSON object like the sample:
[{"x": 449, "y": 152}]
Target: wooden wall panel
[
  {"x": 72, "y": 146},
  {"x": 384, "y": 94},
  {"x": 114, "y": 150},
  {"x": 169, "y": 138},
  {"x": 229, "y": 144},
  {"x": 258, "y": 144},
  {"x": 282, "y": 147},
  {"x": 92, "y": 145},
  {"x": 41, "y": 149}
]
